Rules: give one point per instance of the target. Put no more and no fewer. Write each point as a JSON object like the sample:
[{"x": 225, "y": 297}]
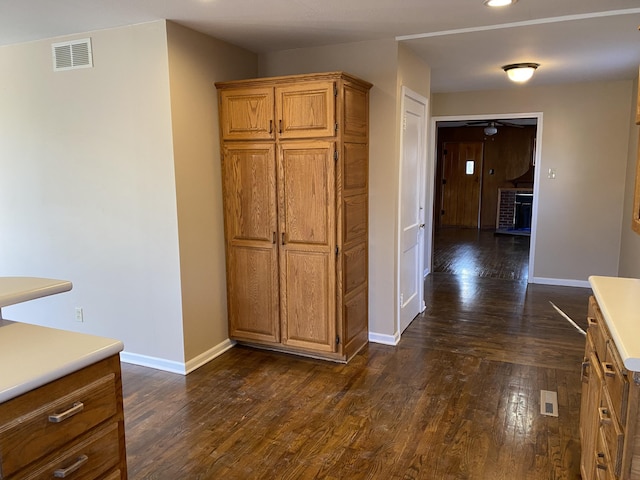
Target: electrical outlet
[
  {"x": 79, "y": 314},
  {"x": 552, "y": 173}
]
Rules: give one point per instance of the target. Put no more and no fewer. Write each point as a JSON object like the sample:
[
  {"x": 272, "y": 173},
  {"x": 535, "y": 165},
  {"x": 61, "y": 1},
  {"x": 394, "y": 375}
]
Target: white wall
[
  {"x": 630, "y": 245},
  {"x": 586, "y": 139},
  {"x": 196, "y": 61},
  {"x": 88, "y": 188}
]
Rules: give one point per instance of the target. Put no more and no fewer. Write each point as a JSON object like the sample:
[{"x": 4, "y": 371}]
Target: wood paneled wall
[{"x": 508, "y": 154}]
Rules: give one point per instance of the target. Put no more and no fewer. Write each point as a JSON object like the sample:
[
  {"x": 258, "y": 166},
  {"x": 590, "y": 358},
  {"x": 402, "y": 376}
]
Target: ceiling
[{"x": 464, "y": 42}]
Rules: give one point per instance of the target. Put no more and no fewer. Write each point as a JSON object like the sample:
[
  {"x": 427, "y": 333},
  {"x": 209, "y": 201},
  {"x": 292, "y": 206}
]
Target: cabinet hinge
[
  {"x": 337, "y": 339},
  {"x": 335, "y": 155},
  {"x": 337, "y": 251},
  {"x": 336, "y": 126},
  {"x": 335, "y": 90}
]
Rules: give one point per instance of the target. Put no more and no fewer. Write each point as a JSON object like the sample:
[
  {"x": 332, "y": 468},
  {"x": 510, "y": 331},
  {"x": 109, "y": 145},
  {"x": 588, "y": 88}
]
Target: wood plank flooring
[
  {"x": 469, "y": 251},
  {"x": 457, "y": 398}
]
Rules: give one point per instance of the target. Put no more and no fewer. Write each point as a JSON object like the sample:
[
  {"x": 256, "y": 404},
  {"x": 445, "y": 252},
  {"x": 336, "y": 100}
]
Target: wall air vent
[{"x": 72, "y": 55}]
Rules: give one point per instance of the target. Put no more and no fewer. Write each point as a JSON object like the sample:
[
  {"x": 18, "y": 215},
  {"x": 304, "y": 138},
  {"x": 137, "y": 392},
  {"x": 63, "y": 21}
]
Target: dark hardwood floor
[
  {"x": 461, "y": 251},
  {"x": 457, "y": 398}
]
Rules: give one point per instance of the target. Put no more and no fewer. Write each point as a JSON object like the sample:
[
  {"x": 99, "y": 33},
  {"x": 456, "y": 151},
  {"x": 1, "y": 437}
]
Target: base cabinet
[
  {"x": 295, "y": 186},
  {"x": 610, "y": 408},
  {"x": 70, "y": 428}
]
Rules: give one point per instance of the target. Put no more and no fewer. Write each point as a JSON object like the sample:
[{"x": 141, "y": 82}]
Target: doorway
[{"x": 481, "y": 162}]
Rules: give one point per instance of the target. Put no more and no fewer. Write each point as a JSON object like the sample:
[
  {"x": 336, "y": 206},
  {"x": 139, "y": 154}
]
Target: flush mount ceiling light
[
  {"x": 520, "y": 72},
  {"x": 499, "y": 3}
]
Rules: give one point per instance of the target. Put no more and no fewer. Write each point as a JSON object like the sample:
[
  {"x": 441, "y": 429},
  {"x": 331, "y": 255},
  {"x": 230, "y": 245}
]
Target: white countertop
[
  {"x": 31, "y": 355},
  {"x": 20, "y": 289},
  {"x": 619, "y": 301}
]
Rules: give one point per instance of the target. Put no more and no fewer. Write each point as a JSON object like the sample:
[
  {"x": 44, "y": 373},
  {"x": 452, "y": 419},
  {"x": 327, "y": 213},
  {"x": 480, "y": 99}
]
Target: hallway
[{"x": 466, "y": 251}]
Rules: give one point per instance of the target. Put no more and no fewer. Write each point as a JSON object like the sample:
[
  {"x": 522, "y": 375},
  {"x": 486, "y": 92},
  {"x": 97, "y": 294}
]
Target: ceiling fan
[{"x": 491, "y": 126}]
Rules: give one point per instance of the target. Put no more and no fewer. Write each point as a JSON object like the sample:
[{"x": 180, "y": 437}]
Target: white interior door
[{"x": 412, "y": 212}]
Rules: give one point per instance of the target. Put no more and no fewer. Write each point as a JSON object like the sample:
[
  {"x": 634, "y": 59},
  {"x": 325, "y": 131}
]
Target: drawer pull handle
[
  {"x": 605, "y": 418},
  {"x": 584, "y": 374},
  {"x": 609, "y": 370},
  {"x": 65, "y": 472},
  {"x": 77, "y": 407}
]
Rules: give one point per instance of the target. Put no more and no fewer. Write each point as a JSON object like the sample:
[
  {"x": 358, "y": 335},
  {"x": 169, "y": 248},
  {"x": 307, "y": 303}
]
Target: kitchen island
[
  {"x": 61, "y": 412},
  {"x": 610, "y": 404}
]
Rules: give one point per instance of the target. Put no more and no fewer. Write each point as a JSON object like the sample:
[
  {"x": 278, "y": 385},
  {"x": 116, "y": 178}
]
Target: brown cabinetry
[
  {"x": 295, "y": 185},
  {"x": 610, "y": 409},
  {"x": 70, "y": 428}
]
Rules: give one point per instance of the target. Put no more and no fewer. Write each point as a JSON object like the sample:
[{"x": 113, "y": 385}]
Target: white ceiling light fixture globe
[
  {"x": 499, "y": 3},
  {"x": 520, "y": 72},
  {"x": 490, "y": 130}
]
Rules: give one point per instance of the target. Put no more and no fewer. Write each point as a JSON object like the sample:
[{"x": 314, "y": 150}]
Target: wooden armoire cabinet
[{"x": 295, "y": 185}]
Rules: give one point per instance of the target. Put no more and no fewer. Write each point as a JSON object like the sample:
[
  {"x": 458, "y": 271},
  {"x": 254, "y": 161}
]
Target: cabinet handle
[
  {"x": 584, "y": 374},
  {"x": 609, "y": 371},
  {"x": 270, "y": 126},
  {"x": 274, "y": 238},
  {"x": 279, "y": 126},
  {"x": 605, "y": 418},
  {"x": 65, "y": 472},
  {"x": 591, "y": 322},
  {"x": 77, "y": 407},
  {"x": 283, "y": 238}
]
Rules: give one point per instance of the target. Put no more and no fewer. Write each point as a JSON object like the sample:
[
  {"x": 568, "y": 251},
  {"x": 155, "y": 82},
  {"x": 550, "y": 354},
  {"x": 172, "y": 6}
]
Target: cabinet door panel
[
  {"x": 356, "y": 112},
  {"x": 591, "y": 417},
  {"x": 306, "y": 184},
  {"x": 253, "y": 293},
  {"x": 306, "y": 110},
  {"x": 250, "y": 222},
  {"x": 307, "y": 193},
  {"x": 247, "y": 114},
  {"x": 308, "y": 304},
  {"x": 250, "y": 192}
]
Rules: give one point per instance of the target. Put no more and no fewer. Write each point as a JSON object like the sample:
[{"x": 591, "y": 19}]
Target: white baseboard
[
  {"x": 384, "y": 339},
  {"x": 173, "y": 366},
  {"x": 209, "y": 355},
  {"x": 560, "y": 282}
]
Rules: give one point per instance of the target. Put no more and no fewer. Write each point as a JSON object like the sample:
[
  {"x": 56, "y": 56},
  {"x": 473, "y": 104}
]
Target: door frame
[
  {"x": 433, "y": 152},
  {"x": 408, "y": 93}
]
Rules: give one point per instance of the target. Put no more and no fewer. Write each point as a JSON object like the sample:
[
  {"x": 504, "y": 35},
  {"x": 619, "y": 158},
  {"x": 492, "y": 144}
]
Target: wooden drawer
[
  {"x": 613, "y": 435},
  {"x": 117, "y": 475},
  {"x": 603, "y": 469},
  {"x": 617, "y": 383},
  {"x": 86, "y": 459},
  {"x": 598, "y": 329},
  {"x": 39, "y": 422}
]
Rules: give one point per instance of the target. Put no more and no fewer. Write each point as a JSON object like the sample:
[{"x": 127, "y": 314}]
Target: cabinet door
[
  {"x": 589, "y": 417},
  {"x": 250, "y": 223},
  {"x": 306, "y": 110},
  {"x": 306, "y": 185},
  {"x": 247, "y": 114}
]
